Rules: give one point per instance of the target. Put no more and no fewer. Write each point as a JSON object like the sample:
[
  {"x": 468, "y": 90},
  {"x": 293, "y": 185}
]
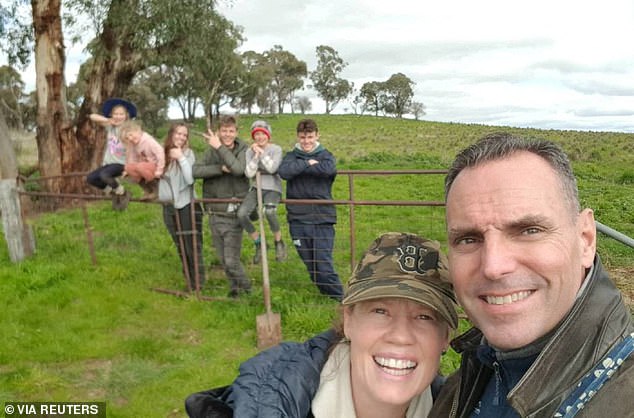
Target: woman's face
[
  {"x": 395, "y": 349},
  {"x": 180, "y": 136}
]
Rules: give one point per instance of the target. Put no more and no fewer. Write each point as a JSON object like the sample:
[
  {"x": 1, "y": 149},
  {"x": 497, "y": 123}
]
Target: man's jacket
[
  {"x": 598, "y": 320},
  {"x": 218, "y": 184}
]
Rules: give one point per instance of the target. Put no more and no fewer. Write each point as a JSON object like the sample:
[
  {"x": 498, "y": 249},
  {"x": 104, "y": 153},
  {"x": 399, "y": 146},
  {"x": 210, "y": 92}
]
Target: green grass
[{"x": 74, "y": 331}]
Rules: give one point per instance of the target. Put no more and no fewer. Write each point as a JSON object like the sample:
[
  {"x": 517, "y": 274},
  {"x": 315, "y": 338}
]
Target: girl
[
  {"x": 176, "y": 192},
  {"x": 145, "y": 158},
  {"x": 116, "y": 112}
]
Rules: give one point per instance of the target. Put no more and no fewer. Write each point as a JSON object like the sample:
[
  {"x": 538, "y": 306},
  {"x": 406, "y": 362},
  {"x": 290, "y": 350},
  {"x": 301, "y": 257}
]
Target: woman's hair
[{"x": 169, "y": 140}]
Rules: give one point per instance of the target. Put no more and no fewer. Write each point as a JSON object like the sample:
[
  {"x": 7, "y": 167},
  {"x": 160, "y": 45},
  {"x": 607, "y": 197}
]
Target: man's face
[
  {"x": 307, "y": 140},
  {"x": 228, "y": 134},
  {"x": 516, "y": 253}
]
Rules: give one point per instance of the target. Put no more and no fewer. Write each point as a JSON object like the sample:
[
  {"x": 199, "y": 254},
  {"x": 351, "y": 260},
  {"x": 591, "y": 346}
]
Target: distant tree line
[{"x": 154, "y": 51}]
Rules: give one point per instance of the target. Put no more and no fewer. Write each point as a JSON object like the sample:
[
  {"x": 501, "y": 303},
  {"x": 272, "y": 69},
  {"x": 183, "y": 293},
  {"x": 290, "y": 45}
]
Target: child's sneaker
[
  {"x": 280, "y": 251},
  {"x": 150, "y": 190},
  {"x": 107, "y": 191},
  {"x": 257, "y": 257}
]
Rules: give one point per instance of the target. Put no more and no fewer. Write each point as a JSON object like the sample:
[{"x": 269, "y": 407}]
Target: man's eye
[
  {"x": 531, "y": 230},
  {"x": 380, "y": 311},
  {"x": 465, "y": 241}
]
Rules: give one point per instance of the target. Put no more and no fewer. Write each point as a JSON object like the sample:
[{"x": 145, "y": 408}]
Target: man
[
  {"x": 222, "y": 170},
  {"x": 522, "y": 257},
  {"x": 310, "y": 169}
]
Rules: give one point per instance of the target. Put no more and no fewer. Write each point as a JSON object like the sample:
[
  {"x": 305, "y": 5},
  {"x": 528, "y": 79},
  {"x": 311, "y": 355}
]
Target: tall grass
[{"x": 74, "y": 331}]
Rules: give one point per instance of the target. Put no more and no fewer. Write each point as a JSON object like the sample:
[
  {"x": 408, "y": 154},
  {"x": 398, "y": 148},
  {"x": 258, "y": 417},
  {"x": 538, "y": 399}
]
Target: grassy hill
[{"x": 77, "y": 331}]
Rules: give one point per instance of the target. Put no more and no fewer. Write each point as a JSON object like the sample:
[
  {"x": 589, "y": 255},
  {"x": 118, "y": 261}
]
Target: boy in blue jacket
[{"x": 309, "y": 170}]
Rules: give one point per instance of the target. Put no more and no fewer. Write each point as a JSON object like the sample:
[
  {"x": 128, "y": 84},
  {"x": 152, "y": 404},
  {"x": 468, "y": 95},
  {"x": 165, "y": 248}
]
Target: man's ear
[{"x": 588, "y": 236}]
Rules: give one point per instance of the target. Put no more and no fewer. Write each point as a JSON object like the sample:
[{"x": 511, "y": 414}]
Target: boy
[
  {"x": 222, "y": 170},
  {"x": 310, "y": 169}
]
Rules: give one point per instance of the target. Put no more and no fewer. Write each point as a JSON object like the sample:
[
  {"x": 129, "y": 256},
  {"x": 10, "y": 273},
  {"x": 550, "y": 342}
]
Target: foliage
[
  {"x": 16, "y": 33},
  {"x": 253, "y": 84},
  {"x": 11, "y": 97},
  {"x": 303, "y": 103},
  {"x": 417, "y": 109},
  {"x": 145, "y": 93},
  {"x": 326, "y": 79},
  {"x": 288, "y": 73},
  {"x": 397, "y": 94}
]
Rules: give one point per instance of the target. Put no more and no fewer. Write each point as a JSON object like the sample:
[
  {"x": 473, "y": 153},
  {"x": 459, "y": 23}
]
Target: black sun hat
[{"x": 109, "y": 104}]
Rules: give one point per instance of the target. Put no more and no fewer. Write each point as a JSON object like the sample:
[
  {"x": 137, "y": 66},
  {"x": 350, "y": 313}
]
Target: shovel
[{"x": 268, "y": 325}]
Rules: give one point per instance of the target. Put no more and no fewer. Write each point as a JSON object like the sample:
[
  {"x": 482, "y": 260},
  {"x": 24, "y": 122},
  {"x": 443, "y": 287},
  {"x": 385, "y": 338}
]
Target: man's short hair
[
  {"x": 498, "y": 146},
  {"x": 306, "y": 126}
]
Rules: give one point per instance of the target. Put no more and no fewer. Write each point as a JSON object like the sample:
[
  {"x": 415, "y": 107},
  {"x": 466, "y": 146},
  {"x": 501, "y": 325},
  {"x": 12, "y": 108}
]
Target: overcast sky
[
  {"x": 559, "y": 64},
  {"x": 551, "y": 64}
]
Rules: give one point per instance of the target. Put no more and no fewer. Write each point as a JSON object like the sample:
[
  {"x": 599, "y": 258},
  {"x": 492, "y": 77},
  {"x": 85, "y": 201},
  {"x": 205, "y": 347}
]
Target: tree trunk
[
  {"x": 8, "y": 161},
  {"x": 54, "y": 133}
]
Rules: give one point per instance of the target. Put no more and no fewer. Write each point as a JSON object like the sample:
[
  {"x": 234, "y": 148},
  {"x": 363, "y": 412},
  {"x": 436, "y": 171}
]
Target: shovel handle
[{"x": 266, "y": 286}]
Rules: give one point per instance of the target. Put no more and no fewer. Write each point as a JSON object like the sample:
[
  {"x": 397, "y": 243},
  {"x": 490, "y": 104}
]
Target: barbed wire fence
[{"x": 360, "y": 220}]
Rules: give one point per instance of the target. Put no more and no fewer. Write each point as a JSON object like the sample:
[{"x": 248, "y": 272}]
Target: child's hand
[
  {"x": 226, "y": 169},
  {"x": 124, "y": 174},
  {"x": 212, "y": 139},
  {"x": 257, "y": 150}
]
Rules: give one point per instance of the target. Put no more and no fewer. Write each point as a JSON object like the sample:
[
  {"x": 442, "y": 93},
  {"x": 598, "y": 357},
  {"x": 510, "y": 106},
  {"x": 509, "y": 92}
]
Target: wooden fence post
[{"x": 19, "y": 237}]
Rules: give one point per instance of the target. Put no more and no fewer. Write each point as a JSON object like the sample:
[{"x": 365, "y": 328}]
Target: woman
[
  {"x": 176, "y": 192},
  {"x": 380, "y": 361}
]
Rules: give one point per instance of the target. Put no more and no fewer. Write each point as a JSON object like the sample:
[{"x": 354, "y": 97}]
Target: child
[
  {"x": 116, "y": 112},
  {"x": 145, "y": 158},
  {"x": 176, "y": 191},
  {"x": 310, "y": 171},
  {"x": 222, "y": 170},
  {"x": 265, "y": 157}
]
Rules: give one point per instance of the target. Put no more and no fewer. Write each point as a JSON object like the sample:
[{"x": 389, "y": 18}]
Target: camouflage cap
[{"x": 402, "y": 265}]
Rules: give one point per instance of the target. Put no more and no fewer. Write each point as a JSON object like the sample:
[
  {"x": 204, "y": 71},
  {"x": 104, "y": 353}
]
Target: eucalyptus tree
[
  {"x": 397, "y": 94},
  {"x": 304, "y": 104},
  {"x": 371, "y": 93},
  {"x": 288, "y": 74},
  {"x": 129, "y": 36},
  {"x": 11, "y": 96},
  {"x": 417, "y": 109},
  {"x": 326, "y": 81},
  {"x": 253, "y": 81}
]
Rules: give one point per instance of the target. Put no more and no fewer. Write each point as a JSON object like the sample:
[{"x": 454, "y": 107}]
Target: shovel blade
[{"x": 269, "y": 328}]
